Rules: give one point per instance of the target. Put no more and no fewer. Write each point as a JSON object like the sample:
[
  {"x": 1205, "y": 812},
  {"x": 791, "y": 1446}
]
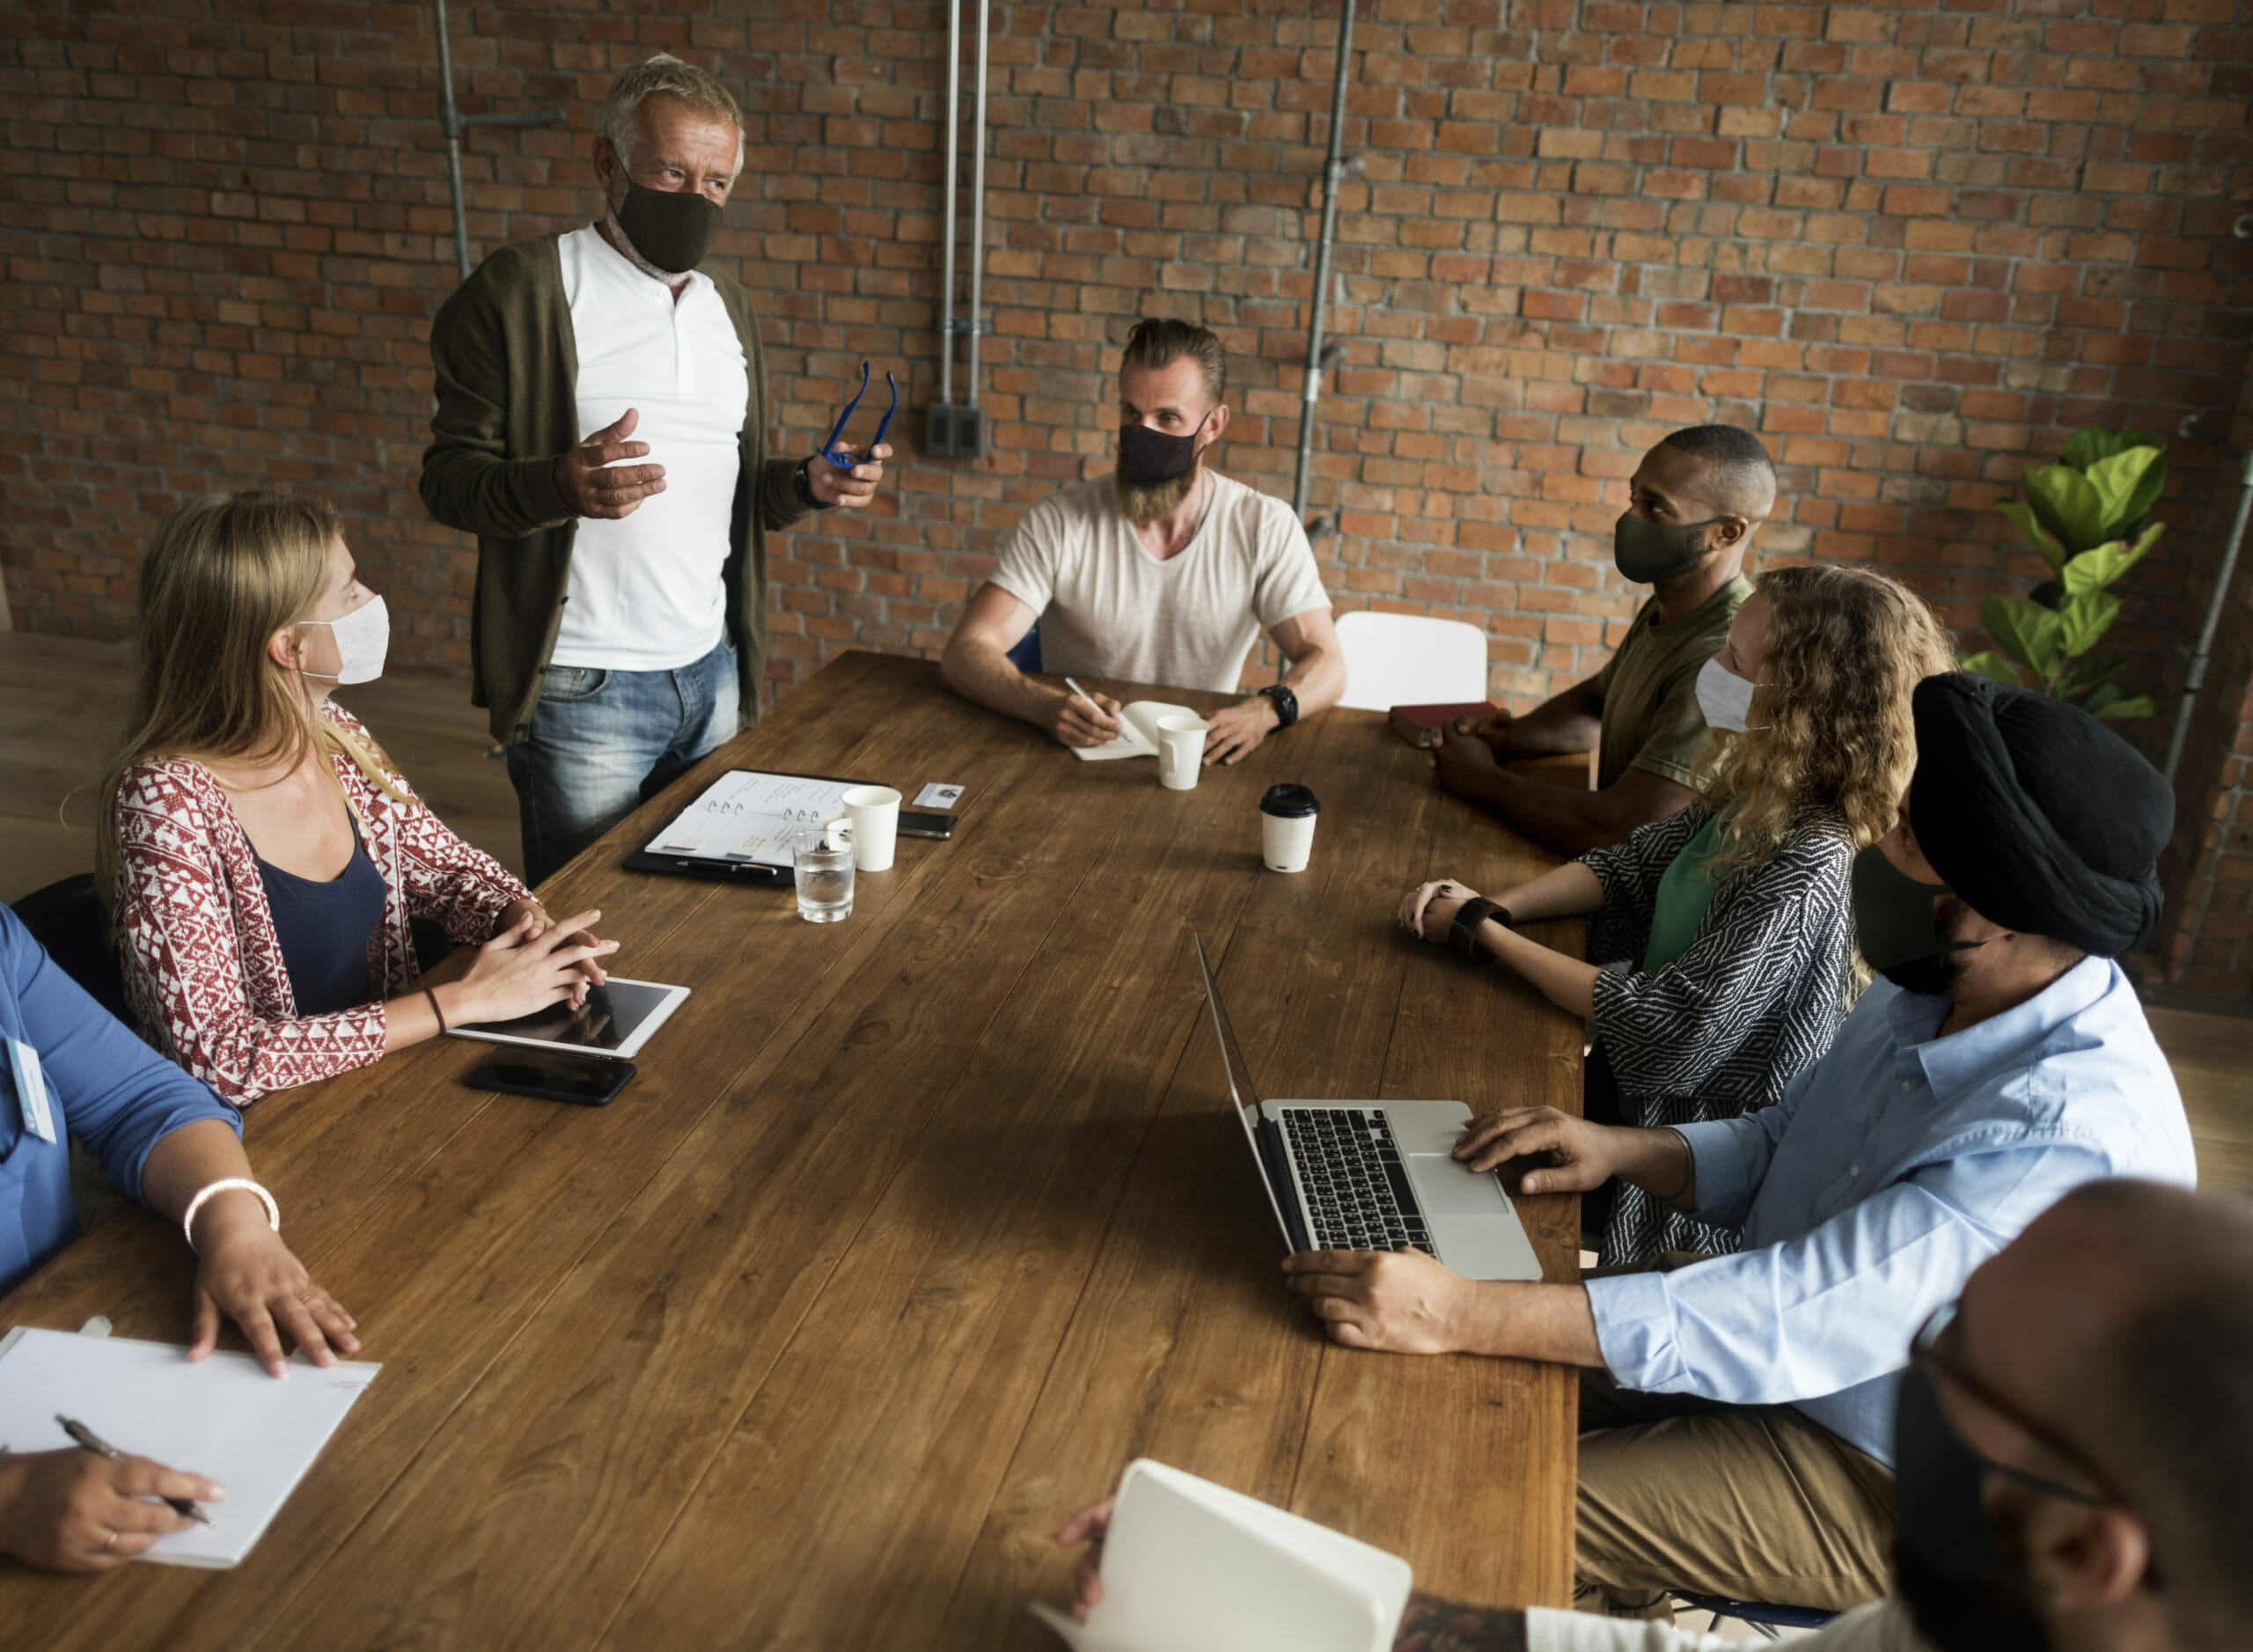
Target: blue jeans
[{"x": 605, "y": 742}]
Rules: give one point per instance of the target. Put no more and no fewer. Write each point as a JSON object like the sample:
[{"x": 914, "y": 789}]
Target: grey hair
[{"x": 665, "y": 76}]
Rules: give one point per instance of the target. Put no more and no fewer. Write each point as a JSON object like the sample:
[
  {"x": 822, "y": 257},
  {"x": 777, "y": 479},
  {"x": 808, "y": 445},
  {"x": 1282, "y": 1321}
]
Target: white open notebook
[
  {"x": 222, "y": 1418},
  {"x": 1138, "y": 732},
  {"x": 1193, "y": 1567}
]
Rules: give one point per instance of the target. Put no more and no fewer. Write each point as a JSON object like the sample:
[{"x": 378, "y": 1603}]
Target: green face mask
[
  {"x": 671, "y": 228},
  {"x": 1893, "y": 918},
  {"x": 1646, "y": 552}
]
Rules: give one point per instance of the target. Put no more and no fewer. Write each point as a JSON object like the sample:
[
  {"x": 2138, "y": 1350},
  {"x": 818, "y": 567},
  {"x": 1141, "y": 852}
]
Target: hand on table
[
  {"x": 1576, "y": 1156},
  {"x": 594, "y": 484},
  {"x": 1462, "y": 763},
  {"x": 849, "y": 489},
  {"x": 1073, "y": 724},
  {"x": 72, "y": 1511},
  {"x": 525, "y": 967},
  {"x": 1088, "y": 1526},
  {"x": 1428, "y": 911},
  {"x": 1398, "y": 1302},
  {"x": 1233, "y": 732},
  {"x": 246, "y": 1273}
]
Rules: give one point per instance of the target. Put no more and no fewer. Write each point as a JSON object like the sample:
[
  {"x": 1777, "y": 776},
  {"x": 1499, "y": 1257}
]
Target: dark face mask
[
  {"x": 1965, "y": 1588},
  {"x": 1646, "y": 552},
  {"x": 1148, "y": 457},
  {"x": 671, "y": 228},
  {"x": 1895, "y": 929}
]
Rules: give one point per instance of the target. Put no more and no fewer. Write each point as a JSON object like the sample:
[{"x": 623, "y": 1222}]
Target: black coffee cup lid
[{"x": 1292, "y": 803}]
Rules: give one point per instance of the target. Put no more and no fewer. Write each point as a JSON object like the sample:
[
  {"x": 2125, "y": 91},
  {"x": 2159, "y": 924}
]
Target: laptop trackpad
[{"x": 1446, "y": 1187}]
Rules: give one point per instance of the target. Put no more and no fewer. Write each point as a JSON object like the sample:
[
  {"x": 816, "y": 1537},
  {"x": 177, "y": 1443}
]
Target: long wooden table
[{"x": 913, "y": 1229}]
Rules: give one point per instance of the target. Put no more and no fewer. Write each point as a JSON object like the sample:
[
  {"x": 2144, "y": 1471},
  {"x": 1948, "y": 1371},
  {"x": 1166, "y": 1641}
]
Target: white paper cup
[
  {"x": 1181, "y": 750},
  {"x": 1287, "y": 818},
  {"x": 872, "y": 814}
]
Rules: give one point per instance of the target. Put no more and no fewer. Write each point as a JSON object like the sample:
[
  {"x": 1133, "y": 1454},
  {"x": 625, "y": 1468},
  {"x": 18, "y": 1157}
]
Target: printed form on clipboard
[{"x": 749, "y": 816}]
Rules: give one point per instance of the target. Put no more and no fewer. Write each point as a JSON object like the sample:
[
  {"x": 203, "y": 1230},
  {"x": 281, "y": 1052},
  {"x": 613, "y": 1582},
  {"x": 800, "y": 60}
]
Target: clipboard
[{"x": 765, "y": 874}]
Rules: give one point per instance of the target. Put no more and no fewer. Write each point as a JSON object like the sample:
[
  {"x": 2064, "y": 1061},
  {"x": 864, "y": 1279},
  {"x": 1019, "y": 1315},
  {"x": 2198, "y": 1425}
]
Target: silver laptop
[{"x": 1373, "y": 1175}]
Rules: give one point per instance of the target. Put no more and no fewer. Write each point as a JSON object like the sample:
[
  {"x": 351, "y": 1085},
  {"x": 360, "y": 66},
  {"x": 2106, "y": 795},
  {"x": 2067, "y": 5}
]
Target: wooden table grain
[{"x": 913, "y": 1230}]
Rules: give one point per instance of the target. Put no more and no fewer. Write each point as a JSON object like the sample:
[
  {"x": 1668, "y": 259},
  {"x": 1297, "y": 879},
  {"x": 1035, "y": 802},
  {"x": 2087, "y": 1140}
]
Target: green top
[
  {"x": 1685, "y": 890},
  {"x": 506, "y": 382},
  {"x": 1651, "y": 718}
]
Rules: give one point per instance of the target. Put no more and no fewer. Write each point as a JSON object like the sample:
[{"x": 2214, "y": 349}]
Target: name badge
[{"x": 31, "y": 1090}]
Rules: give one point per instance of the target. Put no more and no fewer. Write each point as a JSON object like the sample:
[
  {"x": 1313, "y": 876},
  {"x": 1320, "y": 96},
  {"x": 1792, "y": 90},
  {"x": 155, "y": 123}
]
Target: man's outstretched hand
[{"x": 593, "y": 483}]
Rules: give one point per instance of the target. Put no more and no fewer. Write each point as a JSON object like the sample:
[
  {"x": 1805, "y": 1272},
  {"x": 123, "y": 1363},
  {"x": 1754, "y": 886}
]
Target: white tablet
[{"x": 615, "y": 1021}]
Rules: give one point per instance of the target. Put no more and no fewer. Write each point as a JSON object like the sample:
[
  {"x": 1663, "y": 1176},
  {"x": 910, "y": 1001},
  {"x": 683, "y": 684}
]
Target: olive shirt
[
  {"x": 506, "y": 364},
  {"x": 1651, "y": 718}
]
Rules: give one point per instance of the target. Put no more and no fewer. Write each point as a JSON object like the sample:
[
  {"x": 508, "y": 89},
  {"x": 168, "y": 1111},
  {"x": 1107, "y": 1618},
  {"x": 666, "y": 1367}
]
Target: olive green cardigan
[{"x": 508, "y": 372}]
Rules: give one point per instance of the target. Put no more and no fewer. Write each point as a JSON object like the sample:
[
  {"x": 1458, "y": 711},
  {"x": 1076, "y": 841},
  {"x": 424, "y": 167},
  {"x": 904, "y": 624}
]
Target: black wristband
[
  {"x": 802, "y": 485},
  {"x": 1285, "y": 704},
  {"x": 1462, "y": 934}
]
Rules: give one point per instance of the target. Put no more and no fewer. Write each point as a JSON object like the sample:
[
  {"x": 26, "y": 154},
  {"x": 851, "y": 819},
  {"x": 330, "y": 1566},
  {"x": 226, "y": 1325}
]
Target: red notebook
[{"x": 1419, "y": 725}]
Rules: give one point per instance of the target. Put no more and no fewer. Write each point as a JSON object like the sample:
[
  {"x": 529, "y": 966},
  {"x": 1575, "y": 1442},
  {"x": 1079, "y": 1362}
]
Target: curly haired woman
[{"x": 1724, "y": 931}]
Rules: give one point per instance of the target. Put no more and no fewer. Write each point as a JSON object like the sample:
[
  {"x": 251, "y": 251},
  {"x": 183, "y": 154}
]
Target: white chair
[{"x": 1411, "y": 659}]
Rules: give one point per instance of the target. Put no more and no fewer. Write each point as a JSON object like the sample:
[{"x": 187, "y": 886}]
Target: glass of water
[{"x": 824, "y": 873}]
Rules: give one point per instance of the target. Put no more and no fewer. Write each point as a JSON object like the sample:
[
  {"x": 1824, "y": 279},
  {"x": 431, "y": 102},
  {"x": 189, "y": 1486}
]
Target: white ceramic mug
[
  {"x": 1181, "y": 750},
  {"x": 871, "y": 819}
]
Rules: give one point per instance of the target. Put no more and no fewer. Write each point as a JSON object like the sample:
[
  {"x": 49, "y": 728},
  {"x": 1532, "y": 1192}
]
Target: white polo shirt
[{"x": 646, "y": 592}]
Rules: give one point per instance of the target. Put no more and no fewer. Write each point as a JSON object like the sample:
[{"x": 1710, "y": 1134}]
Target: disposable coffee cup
[
  {"x": 1287, "y": 817},
  {"x": 871, "y": 817},
  {"x": 1181, "y": 750}
]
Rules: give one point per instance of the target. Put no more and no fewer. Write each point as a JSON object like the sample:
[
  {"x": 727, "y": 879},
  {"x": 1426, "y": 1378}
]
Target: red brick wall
[{"x": 1912, "y": 246}]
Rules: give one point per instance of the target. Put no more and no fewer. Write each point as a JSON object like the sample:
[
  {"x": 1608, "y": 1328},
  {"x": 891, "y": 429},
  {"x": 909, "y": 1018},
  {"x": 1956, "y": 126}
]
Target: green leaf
[
  {"x": 2085, "y": 618},
  {"x": 2031, "y": 525},
  {"x": 2068, "y": 504},
  {"x": 2029, "y": 632},
  {"x": 2094, "y": 442},
  {"x": 2093, "y": 570},
  {"x": 2119, "y": 481},
  {"x": 2121, "y": 710},
  {"x": 2088, "y": 671},
  {"x": 1987, "y": 663}
]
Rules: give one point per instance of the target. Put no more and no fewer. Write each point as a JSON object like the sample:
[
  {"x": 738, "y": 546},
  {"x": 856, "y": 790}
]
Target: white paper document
[
  {"x": 222, "y": 1417},
  {"x": 1192, "y": 1567},
  {"x": 1138, "y": 732},
  {"x": 745, "y": 815}
]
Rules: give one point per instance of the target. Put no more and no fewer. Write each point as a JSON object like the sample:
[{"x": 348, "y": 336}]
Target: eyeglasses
[
  {"x": 1925, "y": 1349},
  {"x": 843, "y": 456}
]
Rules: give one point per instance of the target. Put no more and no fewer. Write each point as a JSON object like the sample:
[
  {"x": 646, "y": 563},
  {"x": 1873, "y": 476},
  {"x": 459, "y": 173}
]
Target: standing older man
[{"x": 620, "y": 627}]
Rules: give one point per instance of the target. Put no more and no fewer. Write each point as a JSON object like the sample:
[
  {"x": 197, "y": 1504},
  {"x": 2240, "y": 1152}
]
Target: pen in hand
[{"x": 87, "y": 1440}]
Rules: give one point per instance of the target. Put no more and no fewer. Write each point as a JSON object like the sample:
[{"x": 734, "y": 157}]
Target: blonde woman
[
  {"x": 1724, "y": 932},
  {"x": 261, "y": 856}
]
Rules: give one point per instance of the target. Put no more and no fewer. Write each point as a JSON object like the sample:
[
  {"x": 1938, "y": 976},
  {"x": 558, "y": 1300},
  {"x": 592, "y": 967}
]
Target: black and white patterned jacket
[{"x": 1755, "y": 999}]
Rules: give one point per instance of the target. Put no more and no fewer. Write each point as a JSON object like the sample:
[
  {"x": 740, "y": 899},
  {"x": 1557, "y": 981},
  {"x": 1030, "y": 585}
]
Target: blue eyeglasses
[{"x": 842, "y": 457}]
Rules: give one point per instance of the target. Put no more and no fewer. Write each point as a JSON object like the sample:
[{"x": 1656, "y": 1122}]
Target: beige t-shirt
[
  {"x": 1651, "y": 716},
  {"x": 1108, "y": 610}
]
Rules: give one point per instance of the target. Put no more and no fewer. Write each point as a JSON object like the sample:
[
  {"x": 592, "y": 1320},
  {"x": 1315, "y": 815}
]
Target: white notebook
[
  {"x": 1138, "y": 732},
  {"x": 222, "y": 1417},
  {"x": 1193, "y": 1567}
]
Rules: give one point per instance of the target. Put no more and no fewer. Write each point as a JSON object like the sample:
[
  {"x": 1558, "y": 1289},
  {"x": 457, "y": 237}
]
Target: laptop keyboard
[{"x": 1358, "y": 1196}]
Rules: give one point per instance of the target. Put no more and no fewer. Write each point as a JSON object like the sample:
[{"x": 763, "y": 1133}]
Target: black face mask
[
  {"x": 1895, "y": 929},
  {"x": 1646, "y": 552},
  {"x": 1149, "y": 458},
  {"x": 671, "y": 228},
  {"x": 1966, "y": 1589}
]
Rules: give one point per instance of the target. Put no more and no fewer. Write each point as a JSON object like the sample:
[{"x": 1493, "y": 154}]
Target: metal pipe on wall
[
  {"x": 946, "y": 208},
  {"x": 2195, "y": 677},
  {"x": 1333, "y": 173},
  {"x": 978, "y": 208},
  {"x": 453, "y": 123}
]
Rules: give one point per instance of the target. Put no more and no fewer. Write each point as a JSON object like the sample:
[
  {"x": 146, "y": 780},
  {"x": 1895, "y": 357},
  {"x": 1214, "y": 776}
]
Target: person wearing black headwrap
[{"x": 1737, "y": 1416}]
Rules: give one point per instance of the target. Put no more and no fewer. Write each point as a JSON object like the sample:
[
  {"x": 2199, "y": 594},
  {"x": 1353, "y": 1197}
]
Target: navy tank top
[{"x": 324, "y": 929}]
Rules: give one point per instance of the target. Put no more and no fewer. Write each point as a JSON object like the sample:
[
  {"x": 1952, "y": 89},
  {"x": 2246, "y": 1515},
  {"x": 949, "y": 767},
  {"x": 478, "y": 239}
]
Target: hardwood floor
[{"x": 60, "y": 700}]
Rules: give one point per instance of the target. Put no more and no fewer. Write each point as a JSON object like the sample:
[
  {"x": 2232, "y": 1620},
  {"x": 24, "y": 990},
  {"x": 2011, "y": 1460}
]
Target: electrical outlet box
[{"x": 955, "y": 432}]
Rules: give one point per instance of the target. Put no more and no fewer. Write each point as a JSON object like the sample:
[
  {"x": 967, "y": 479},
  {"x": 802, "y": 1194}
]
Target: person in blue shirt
[
  {"x": 166, "y": 1139},
  {"x": 1737, "y": 1411}
]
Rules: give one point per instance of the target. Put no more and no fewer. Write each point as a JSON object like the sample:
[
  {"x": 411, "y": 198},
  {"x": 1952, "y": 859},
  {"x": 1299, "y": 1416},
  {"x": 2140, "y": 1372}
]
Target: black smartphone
[
  {"x": 912, "y": 825},
  {"x": 582, "y": 1081}
]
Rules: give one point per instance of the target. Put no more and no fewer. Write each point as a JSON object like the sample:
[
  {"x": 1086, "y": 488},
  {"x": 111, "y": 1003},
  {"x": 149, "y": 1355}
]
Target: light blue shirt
[{"x": 1891, "y": 1168}]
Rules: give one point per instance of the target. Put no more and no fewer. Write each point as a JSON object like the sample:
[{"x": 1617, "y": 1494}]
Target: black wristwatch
[
  {"x": 1287, "y": 705},
  {"x": 1462, "y": 934},
  {"x": 802, "y": 485}
]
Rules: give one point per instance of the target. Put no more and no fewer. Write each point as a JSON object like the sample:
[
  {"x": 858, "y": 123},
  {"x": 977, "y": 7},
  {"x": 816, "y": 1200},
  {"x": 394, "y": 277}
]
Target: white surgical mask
[
  {"x": 1724, "y": 697},
  {"x": 363, "y": 638}
]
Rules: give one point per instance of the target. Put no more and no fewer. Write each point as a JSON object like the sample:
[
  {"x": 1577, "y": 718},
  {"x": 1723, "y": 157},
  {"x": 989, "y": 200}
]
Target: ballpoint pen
[
  {"x": 89, "y": 1441},
  {"x": 1085, "y": 697}
]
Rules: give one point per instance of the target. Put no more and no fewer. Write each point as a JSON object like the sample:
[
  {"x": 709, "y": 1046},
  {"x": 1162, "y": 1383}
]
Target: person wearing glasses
[
  {"x": 1736, "y": 1412},
  {"x": 1164, "y": 571},
  {"x": 601, "y": 427},
  {"x": 2073, "y": 1440}
]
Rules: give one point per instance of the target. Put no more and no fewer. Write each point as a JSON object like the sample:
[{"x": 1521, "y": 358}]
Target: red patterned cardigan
[{"x": 203, "y": 969}]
